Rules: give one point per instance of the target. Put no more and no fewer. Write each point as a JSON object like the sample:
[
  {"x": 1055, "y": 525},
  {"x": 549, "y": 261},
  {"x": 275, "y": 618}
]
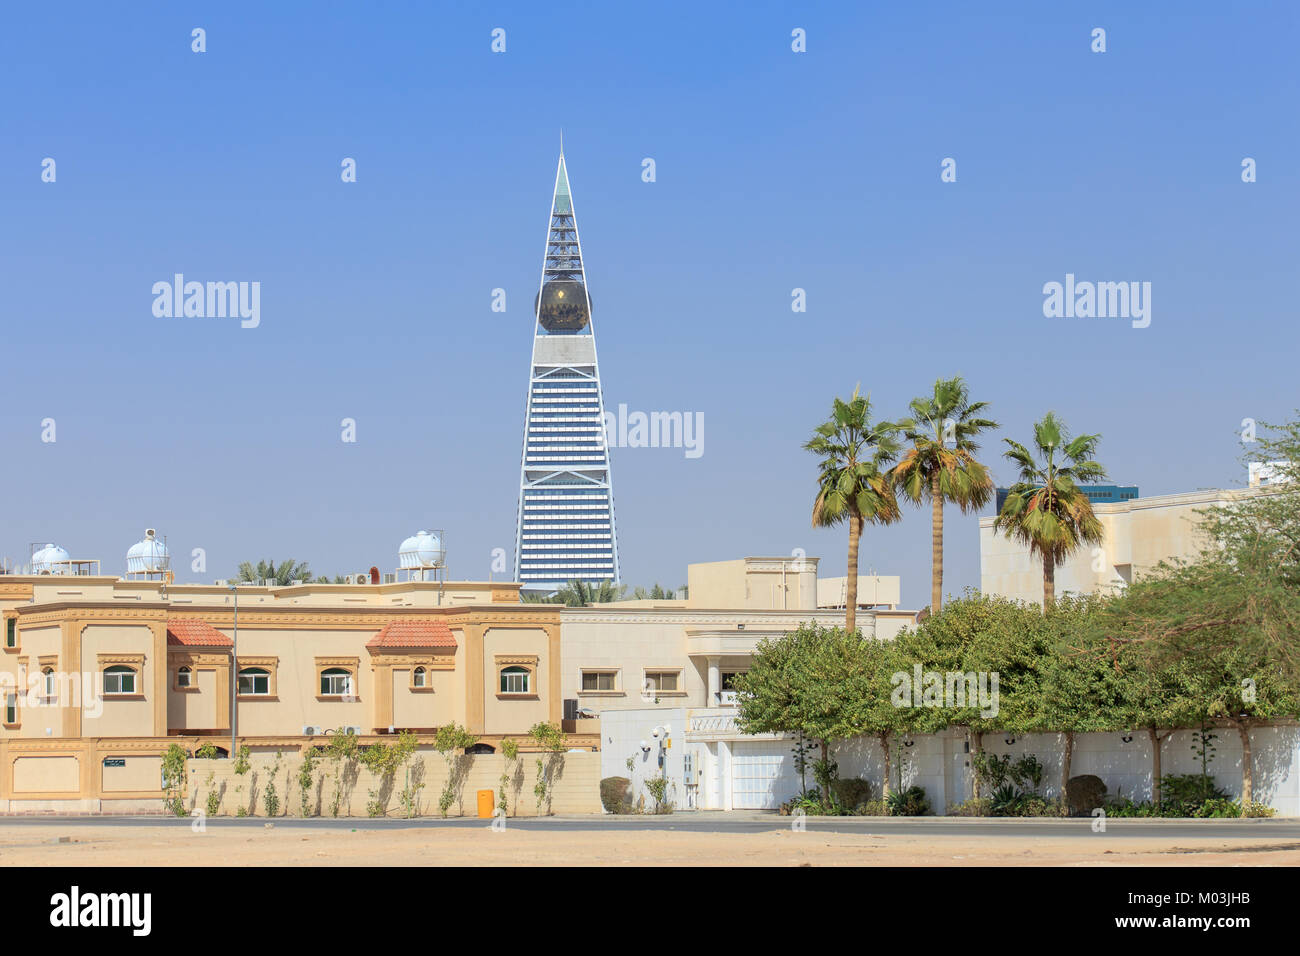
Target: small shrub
[
  {"x": 214, "y": 803},
  {"x": 1217, "y": 807},
  {"x": 616, "y": 795},
  {"x": 979, "y": 807},
  {"x": 911, "y": 802},
  {"x": 851, "y": 793},
  {"x": 658, "y": 788}
]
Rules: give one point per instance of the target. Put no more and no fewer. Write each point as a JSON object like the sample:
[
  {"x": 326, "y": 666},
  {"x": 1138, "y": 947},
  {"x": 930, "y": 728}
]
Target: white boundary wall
[{"x": 941, "y": 763}]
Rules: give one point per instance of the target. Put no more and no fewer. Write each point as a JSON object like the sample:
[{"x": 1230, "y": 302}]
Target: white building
[
  {"x": 633, "y": 667},
  {"x": 1137, "y": 535}
]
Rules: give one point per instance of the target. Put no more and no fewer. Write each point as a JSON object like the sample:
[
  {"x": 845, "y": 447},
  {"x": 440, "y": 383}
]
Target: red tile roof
[
  {"x": 413, "y": 634},
  {"x": 191, "y": 632}
]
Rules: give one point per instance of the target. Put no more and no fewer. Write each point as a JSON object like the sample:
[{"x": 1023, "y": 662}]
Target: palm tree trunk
[
  {"x": 1247, "y": 770},
  {"x": 936, "y": 546},
  {"x": 1049, "y": 581},
  {"x": 851, "y": 589},
  {"x": 978, "y": 740}
]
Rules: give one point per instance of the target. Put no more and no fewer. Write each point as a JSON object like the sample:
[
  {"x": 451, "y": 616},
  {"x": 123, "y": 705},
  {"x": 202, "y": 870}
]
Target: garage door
[{"x": 762, "y": 775}]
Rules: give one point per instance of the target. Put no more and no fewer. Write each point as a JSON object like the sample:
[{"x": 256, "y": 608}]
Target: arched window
[
  {"x": 419, "y": 677},
  {"x": 183, "y": 675},
  {"x": 51, "y": 684},
  {"x": 119, "y": 679},
  {"x": 515, "y": 680},
  {"x": 335, "y": 682},
  {"x": 254, "y": 681}
]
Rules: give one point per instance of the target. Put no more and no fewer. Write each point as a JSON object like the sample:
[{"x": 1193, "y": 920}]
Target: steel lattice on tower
[{"x": 565, "y": 527}]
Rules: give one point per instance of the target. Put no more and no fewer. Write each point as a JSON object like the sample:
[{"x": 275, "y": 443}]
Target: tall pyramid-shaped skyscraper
[{"x": 565, "y": 527}]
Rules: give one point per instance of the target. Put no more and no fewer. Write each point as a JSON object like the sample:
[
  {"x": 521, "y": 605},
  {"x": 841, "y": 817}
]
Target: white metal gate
[{"x": 762, "y": 774}]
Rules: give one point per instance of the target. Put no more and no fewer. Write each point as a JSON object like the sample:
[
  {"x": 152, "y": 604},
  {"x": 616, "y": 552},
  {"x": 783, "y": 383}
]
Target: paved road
[{"x": 741, "y": 822}]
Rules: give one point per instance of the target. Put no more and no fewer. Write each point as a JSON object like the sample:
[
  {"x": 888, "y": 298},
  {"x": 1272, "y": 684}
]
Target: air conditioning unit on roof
[{"x": 310, "y": 731}]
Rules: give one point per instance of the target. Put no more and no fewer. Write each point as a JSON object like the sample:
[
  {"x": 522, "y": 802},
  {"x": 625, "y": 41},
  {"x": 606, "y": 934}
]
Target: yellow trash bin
[{"x": 486, "y": 803}]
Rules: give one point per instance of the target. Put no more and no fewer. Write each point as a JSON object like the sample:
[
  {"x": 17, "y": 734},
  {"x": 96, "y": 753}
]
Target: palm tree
[
  {"x": 1046, "y": 509},
  {"x": 280, "y": 574},
  {"x": 932, "y": 471},
  {"x": 853, "y": 486},
  {"x": 581, "y": 593}
]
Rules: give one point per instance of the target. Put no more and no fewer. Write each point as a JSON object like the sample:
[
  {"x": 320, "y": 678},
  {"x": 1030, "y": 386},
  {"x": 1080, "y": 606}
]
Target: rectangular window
[
  {"x": 661, "y": 680},
  {"x": 335, "y": 685},
  {"x": 11, "y": 632},
  {"x": 119, "y": 681},
  {"x": 514, "y": 680},
  {"x": 254, "y": 684},
  {"x": 598, "y": 680},
  {"x": 11, "y": 708}
]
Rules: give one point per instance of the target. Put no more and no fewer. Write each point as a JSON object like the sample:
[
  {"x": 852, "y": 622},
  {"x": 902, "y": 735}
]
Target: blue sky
[{"x": 775, "y": 170}]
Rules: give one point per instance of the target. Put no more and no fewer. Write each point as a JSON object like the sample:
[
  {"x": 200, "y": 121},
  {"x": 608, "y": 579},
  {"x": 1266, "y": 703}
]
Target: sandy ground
[{"x": 66, "y": 844}]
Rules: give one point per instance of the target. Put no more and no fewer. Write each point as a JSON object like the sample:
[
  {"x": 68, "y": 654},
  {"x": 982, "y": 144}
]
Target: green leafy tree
[
  {"x": 1089, "y": 684},
  {"x": 1046, "y": 509},
  {"x": 817, "y": 682},
  {"x": 451, "y": 741},
  {"x": 978, "y": 639},
  {"x": 175, "y": 778},
  {"x": 551, "y": 740},
  {"x": 941, "y": 467},
  {"x": 853, "y": 487}
]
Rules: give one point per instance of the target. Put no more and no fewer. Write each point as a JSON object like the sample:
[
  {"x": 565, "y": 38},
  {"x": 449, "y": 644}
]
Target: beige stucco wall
[
  {"x": 294, "y": 704},
  {"x": 46, "y": 774},
  {"x": 34, "y": 644},
  {"x": 510, "y": 714},
  {"x": 575, "y": 785},
  {"x": 629, "y": 644},
  {"x": 120, "y": 717},
  {"x": 441, "y": 704},
  {"x": 140, "y": 772},
  {"x": 777, "y": 583},
  {"x": 196, "y": 708},
  {"x": 1137, "y": 535}
]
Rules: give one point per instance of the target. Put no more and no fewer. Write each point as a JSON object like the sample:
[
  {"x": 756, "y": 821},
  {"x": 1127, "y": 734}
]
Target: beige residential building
[
  {"x": 95, "y": 665},
  {"x": 100, "y": 674},
  {"x": 1137, "y": 535}
]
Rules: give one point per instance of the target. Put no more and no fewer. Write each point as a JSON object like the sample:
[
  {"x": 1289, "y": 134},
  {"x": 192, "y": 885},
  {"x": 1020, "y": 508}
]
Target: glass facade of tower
[{"x": 565, "y": 528}]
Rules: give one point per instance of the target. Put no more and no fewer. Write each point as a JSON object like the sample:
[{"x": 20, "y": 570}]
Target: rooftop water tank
[
  {"x": 47, "y": 560},
  {"x": 148, "y": 556},
  {"x": 424, "y": 549}
]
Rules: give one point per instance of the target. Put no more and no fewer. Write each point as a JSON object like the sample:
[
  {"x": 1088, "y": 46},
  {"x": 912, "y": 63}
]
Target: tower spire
[{"x": 565, "y": 524}]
